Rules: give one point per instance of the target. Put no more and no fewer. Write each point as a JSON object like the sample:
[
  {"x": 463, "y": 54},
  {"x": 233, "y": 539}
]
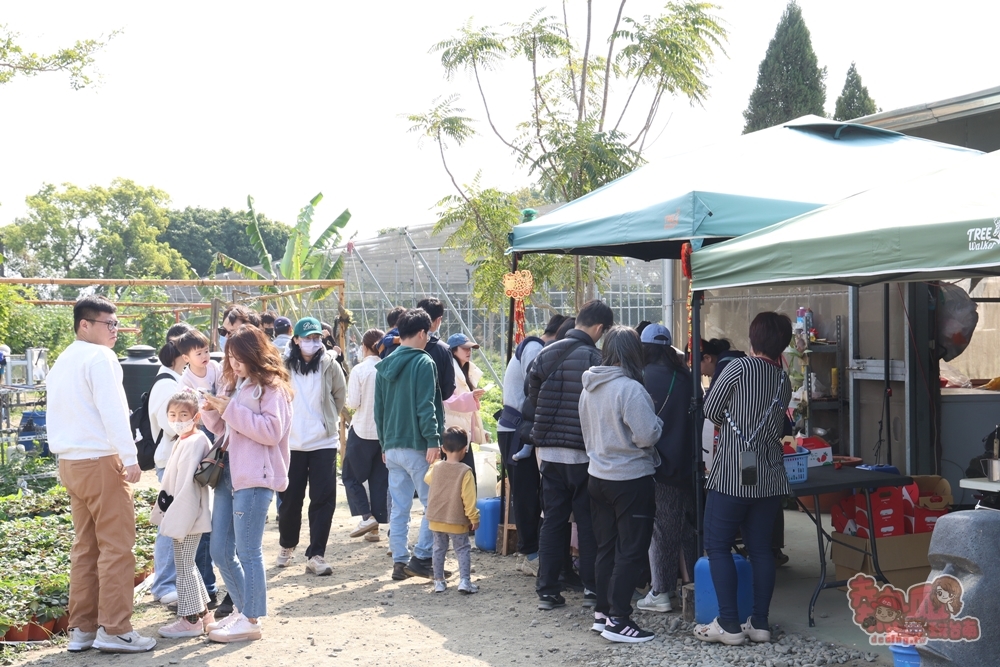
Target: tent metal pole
[
  {"x": 451, "y": 306},
  {"x": 697, "y": 416},
  {"x": 888, "y": 387},
  {"x": 510, "y": 317},
  {"x": 381, "y": 291}
]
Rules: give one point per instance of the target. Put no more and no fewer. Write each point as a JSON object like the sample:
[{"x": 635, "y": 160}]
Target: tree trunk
[
  {"x": 591, "y": 278},
  {"x": 578, "y": 286}
]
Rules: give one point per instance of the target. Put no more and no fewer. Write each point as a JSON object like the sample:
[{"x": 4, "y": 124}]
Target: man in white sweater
[{"x": 89, "y": 430}]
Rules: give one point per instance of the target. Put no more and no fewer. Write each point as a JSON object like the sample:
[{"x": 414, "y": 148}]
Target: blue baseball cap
[
  {"x": 461, "y": 340},
  {"x": 656, "y": 334}
]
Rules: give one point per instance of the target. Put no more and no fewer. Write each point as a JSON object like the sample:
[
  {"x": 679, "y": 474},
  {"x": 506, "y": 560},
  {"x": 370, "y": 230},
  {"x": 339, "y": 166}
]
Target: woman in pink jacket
[{"x": 252, "y": 414}]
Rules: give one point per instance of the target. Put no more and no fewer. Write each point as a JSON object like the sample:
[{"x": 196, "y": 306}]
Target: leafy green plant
[{"x": 302, "y": 259}]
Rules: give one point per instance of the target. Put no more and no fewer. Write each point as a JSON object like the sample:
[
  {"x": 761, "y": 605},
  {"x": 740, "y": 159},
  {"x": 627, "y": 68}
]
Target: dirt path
[{"x": 359, "y": 615}]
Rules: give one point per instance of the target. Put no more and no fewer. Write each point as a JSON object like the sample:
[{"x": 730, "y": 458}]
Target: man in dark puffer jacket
[{"x": 554, "y": 385}]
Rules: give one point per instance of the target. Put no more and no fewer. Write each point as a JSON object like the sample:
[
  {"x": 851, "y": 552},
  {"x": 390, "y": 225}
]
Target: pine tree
[
  {"x": 854, "y": 101},
  {"x": 790, "y": 82}
]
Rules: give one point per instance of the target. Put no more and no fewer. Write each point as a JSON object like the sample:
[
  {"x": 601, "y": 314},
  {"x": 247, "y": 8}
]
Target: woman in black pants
[
  {"x": 620, "y": 430},
  {"x": 363, "y": 458},
  {"x": 747, "y": 480}
]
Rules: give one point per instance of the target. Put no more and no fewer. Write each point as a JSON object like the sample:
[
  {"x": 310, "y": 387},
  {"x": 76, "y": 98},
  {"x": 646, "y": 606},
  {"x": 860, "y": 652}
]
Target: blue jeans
[
  {"x": 165, "y": 579},
  {"x": 753, "y": 518},
  {"x": 203, "y": 560},
  {"x": 236, "y": 546},
  {"x": 407, "y": 468}
]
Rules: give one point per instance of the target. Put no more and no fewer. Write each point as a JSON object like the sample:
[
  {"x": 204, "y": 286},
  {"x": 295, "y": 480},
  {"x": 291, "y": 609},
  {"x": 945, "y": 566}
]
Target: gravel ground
[{"x": 359, "y": 615}]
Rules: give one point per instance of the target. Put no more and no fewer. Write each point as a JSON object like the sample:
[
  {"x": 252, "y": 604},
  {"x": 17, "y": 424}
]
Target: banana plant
[{"x": 302, "y": 260}]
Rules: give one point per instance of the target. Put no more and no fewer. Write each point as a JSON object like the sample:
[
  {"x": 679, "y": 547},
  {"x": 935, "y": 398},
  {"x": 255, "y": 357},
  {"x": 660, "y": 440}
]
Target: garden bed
[{"x": 36, "y": 535}]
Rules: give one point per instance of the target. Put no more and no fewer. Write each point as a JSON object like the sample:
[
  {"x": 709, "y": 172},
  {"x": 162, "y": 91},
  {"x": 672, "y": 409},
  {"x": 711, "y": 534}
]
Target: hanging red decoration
[
  {"x": 686, "y": 251},
  {"x": 518, "y": 285}
]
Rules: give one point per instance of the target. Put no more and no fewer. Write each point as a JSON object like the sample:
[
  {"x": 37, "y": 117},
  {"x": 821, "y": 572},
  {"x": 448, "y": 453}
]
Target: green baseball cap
[{"x": 307, "y": 326}]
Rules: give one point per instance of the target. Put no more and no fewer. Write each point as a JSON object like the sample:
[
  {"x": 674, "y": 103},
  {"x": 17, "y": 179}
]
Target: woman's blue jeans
[
  {"x": 237, "y": 536},
  {"x": 753, "y": 518}
]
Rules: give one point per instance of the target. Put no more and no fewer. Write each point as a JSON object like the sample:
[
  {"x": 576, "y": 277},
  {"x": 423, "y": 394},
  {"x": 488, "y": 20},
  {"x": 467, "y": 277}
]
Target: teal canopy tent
[
  {"x": 731, "y": 188},
  {"x": 943, "y": 225}
]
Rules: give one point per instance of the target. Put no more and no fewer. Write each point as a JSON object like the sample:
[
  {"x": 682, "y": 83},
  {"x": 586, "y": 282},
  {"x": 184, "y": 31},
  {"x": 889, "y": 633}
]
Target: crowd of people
[{"x": 595, "y": 441}]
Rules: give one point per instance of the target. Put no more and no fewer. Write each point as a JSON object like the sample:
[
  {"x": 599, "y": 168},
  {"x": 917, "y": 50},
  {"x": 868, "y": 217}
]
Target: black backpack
[{"x": 145, "y": 445}]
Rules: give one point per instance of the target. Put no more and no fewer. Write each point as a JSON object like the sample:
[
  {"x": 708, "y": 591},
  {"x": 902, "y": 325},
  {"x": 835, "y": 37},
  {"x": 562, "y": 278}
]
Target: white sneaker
[
  {"x": 242, "y": 630},
  {"x": 286, "y": 556},
  {"x": 467, "y": 587},
  {"x": 169, "y": 598},
  {"x": 373, "y": 536},
  {"x": 653, "y": 602},
  {"x": 318, "y": 566},
  {"x": 227, "y": 621},
  {"x": 528, "y": 566},
  {"x": 80, "y": 640},
  {"x": 365, "y": 526},
  {"x": 755, "y": 634},
  {"x": 130, "y": 642},
  {"x": 440, "y": 586}
]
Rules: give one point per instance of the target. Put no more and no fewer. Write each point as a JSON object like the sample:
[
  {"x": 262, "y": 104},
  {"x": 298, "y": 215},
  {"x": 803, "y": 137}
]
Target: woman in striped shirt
[{"x": 747, "y": 480}]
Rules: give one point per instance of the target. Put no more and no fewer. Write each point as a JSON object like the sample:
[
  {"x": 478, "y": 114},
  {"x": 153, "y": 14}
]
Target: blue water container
[
  {"x": 489, "y": 520},
  {"x": 904, "y": 656},
  {"x": 706, "y": 604},
  {"x": 32, "y": 430}
]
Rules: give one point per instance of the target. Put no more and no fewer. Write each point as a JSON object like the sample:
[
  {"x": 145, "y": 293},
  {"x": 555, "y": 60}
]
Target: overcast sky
[{"x": 212, "y": 101}]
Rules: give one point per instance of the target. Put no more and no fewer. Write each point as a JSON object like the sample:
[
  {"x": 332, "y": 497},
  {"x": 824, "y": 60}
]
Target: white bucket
[{"x": 486, "y": 474}]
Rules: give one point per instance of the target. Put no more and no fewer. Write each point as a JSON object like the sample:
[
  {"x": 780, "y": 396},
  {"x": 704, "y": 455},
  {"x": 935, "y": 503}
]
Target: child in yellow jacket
[{"x": 451, "y": 509}]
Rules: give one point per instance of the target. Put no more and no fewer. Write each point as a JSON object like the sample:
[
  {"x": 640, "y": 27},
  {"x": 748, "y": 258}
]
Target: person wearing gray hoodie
[{"x": 620, "y": 431}]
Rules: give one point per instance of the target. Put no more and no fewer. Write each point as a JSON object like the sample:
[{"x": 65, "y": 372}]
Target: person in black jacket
[
  {"x": 554, "y": 385},
  {"x": 438, "y": 349},
  {"x": 672, "y": 552}
]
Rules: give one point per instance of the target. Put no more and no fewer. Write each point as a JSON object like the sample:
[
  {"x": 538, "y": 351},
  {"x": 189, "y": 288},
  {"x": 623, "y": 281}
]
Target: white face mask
[
  {"x": 181, "y": 428},
  {"x": 310, "y": 347}
]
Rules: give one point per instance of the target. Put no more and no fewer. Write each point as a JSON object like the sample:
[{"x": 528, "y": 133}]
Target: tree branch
[
  {"x": 607, "y": 68},
  {"x": 486, "y": 107},
  {"x": 569, "y": 51},
  {"x": 582, "y": 109},
  {"x": 638, "y": 80}
]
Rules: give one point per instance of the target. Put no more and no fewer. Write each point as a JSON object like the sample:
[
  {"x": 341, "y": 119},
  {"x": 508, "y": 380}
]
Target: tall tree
[
  {"x": 854, "y": 101},
  {"x": 95, "y": 233},
  {"x": 790, "y": 82},
  {"x": 200, "y": 234},
  {"x": 76, "y": 60},
  {"x": 575, "y": 136}
]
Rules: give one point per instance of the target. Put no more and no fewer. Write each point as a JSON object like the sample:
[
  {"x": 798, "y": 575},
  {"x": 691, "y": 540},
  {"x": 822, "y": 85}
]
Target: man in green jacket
[{"x": 409, "y": 418}]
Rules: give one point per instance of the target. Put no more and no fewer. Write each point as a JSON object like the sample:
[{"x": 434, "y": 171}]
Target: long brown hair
[{"x": 252, "y": 347}]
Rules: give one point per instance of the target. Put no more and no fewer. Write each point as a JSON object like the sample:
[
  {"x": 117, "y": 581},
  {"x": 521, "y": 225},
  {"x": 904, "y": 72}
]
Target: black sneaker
[
  {"x": 589, "y": 598},
  {"x": 224, "y": 609},
  {"x": 399, "y": 572},
  {"x": 213, "y": 601},
  {"x": 422, "y": 567},
  {"x": 625, "y": 631},
  {"x": 547, "y": 602}
]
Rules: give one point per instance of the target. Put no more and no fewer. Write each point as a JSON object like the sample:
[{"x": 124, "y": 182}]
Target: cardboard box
[
  {"x": 887, "y": 511},
  {"x": 935, "y": 492},
  {"x": 820, "y": 452},
  {"x": 922, "y": 520},
  {"x": 903, "y": 559}
]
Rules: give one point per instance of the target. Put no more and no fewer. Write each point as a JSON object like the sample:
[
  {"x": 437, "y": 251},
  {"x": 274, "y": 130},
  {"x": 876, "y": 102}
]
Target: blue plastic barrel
[
  {"x": 904, "y": 655},
  {"x": 706, "y": 603},
  {"x": 489, "y": 520},
  {"x": 31, "y": 430}
]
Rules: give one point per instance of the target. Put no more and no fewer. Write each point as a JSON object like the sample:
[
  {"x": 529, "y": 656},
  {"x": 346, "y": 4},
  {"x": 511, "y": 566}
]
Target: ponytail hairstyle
[
  {"x": 169, "y": 354},
  {"x": 372, "y": 338}
]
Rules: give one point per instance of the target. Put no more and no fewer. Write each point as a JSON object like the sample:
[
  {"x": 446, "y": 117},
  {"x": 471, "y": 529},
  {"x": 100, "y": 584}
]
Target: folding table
[{"x": 827, "y": 479}]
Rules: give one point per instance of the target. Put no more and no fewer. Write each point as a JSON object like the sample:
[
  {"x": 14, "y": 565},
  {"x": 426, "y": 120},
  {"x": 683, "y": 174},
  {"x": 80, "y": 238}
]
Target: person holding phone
[
  {"x": 252, "y": 413},
  {"x": 747, "y": 480}
]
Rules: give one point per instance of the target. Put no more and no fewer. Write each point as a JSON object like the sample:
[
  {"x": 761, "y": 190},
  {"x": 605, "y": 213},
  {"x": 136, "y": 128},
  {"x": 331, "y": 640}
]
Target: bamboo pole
[
  {"x": 281, "y": 295},
  {"x": 130, "y": 304},
  {"x": 200, "y": 282}
]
